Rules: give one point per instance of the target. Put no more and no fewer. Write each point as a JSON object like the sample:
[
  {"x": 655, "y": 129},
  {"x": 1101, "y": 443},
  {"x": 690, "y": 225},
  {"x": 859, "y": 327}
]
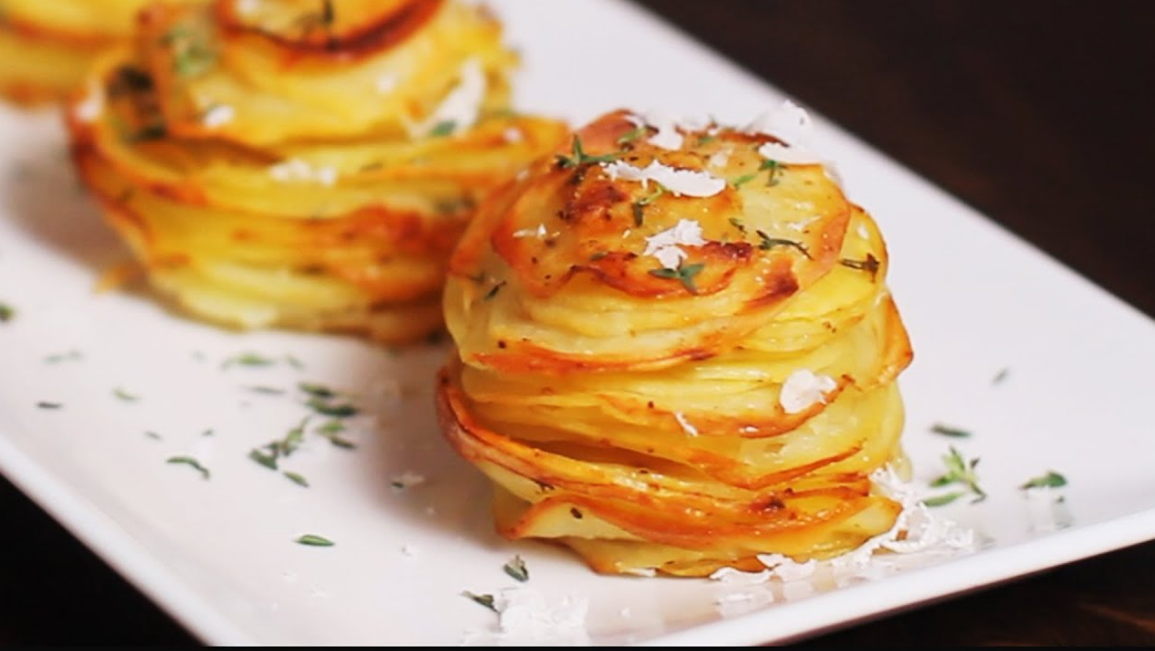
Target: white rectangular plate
[{"x": 219, "y": 554}]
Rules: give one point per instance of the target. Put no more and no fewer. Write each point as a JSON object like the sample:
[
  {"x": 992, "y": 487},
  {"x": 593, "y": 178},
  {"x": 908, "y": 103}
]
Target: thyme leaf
[
  {"x": 580, "y": 158},
  {"x": 1050, "y": 480},
  {"x": 768, "y": 243},
  {"x": 947, "y": 430},
  {"x": 639, "y": 206},
  {"x": 124, "y": 395},
  {"x": 313, "y": 540},
  {"x": 192, "y": 463},
  {"x": 960, "y": 471},
  {"x": 443, "y": 128},
  {"x": 483, "y": 599},
  {"x": 515, "y": 568},
  {"x": 684, "y": 273},
  {"x": 870, "y": 265}
]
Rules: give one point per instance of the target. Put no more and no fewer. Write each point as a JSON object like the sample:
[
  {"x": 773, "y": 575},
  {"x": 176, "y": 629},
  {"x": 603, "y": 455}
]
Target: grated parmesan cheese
[
  {"x": 527, "y": 617},
  {"x": 218, "y": 115},
  {"x": 691, "y": 183},
  {"x": 407, "y": 479},
  {"x": 790, "y": 124},
  {"x": 385, "y": 84},
  {"x": 296, "y": 169},
  {"x": 665, "y": 246},
  {"x": 461, "y": 106},
  {"x": 804, "y": 388},
  {"x": 88, "y": 110},
  {"x": 687, "y": 427}
]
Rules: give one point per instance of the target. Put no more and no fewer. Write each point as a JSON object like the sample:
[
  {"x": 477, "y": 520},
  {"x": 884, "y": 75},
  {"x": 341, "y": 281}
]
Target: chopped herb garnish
[
  {"x": 248, "y": 359},
  {"x": 768, "y": 243},
  {"x": 191, "y": 462},
  {"x": 943, "y": 500},
  {"x": 313, "y": 540},
  {"x": 152, "y": 435},
  {"x": 947, "y": 430},
  {"x": 493, "y": 291},
  {"x": 598, "y": 256},
  {"x": 343, "y": 410},
  {"x": 516, "y": 569},
  {"x": 294, "y": 362},
  {"x": 775, "y": 168},
  {"x": 743, "y": 180},
  {"x": 268, "y": 454},
  {"x": 739, "y": 224},
  {"x": 684, "y": 273},
  {"x": 1002, "y": 375},
  {"x": 7, "y": 312},
  {"x": 316, "y": 390},
  {"x": 443, "y": 128},
  {"x": 191, "y": 54},
  {"x": 1050, "y": 480},
  {"x": 633, "y": 134},
  {"x": 960, "y": 471},
  {"x": 49, "y": 405},
  {"x": 639, "y": 206},
  {"x": 268, "y": 391},
  {"x": 705, "y": 140},
  {"x": 124, "y": 395},
  {"x": 483, "y": 599},
  {"x": 296, "y": 478},
  {"x": 334, "y": 435},
  {"x": 56, "y": 358},
  {"x": 580, "y": 158},
  {"x": 266, "y": 459},
  {"x": 869, "y": 265}
]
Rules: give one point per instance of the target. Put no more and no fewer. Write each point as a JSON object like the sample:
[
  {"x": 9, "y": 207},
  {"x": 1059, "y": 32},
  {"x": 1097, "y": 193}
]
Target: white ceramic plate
[{"x": 219, "y": 554}]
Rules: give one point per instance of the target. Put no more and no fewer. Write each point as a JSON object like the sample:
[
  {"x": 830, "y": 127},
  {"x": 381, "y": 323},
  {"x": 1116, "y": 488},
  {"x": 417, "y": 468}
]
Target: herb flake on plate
[
  {"x": 1050, "y": 480},
  {"x": 947, "y": 430},
  {"x": 483, "y": 599},
  {"x": 313, "y": 540},
  {"x": 516, "y": 568},
  {"x": 192, "y": 463}
]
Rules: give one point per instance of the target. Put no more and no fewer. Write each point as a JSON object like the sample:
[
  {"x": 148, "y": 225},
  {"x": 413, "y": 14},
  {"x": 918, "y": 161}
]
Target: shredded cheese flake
[
  {"x": 691, "y": 183},
  {"x": 218, "y": 116},
  {"x": 687, "y": 427},
  {"x": 462, "y": 105},
  {"x": 804, "y": 388},
  {"x": 296, "y": 169},
  {"x": 666, "y": 246}
]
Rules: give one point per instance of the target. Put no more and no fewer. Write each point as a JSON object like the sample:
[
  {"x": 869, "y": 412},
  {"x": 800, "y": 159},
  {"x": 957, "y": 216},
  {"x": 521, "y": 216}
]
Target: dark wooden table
[{"x": 1038, "y": 113}]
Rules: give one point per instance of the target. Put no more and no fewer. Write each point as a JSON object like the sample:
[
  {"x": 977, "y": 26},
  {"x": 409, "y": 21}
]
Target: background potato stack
[
  {"x": 676, "y": 350},
  {"x": 303, "y": 163},
  {"x": 47, "y": 46}
]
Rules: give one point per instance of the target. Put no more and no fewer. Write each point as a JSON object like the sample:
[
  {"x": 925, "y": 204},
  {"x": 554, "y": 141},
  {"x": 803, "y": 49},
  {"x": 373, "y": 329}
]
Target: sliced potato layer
[{"x": 676, "y": 354}]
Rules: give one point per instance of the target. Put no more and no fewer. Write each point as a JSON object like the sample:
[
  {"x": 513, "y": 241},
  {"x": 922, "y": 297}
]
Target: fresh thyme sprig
[
  {"x": 685, "y": 273},
  {"x": 580, "y": 158},
  {"x": 959, "y": 471},
  {"x": 768, "y": 243},
  {"x": 1050, "y": 480}
]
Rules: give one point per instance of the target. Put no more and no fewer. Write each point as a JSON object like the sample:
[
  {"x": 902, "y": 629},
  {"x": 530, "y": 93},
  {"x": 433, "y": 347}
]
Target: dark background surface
[{"x": 1037, "y": 113}]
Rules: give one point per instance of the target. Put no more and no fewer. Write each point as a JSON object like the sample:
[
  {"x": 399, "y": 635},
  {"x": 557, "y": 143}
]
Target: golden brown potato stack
[
  {"x": 676, "y": 350},
  {"x": 47, "y": 46},
  {"x": 304, "y": 163}
]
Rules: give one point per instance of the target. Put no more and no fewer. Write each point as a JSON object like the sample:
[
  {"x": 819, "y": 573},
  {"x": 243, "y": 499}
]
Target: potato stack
[
  {"x": 47, "y": 46},
  {"x": 304, "y": 163},
  {"x": 676, "y": 350}
]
